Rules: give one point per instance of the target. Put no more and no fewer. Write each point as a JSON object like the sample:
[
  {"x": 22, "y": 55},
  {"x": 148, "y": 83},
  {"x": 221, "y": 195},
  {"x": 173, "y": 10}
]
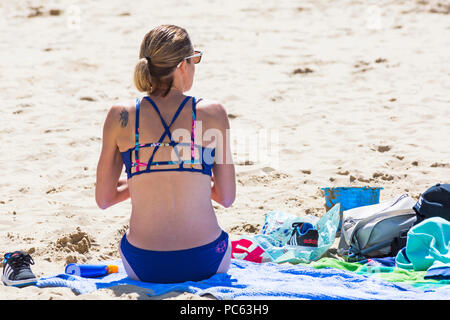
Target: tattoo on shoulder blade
[{"x": 123, "y": 118}]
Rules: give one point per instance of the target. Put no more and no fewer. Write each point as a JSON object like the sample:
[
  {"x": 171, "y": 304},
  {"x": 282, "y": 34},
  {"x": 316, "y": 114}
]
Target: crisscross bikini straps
[
  {"x": 165, "y": 133},
  {"x": 127, "y": 156}
]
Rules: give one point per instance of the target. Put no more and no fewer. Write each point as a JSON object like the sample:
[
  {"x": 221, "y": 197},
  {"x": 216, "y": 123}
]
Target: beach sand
[{"x": 351, "y": 93}]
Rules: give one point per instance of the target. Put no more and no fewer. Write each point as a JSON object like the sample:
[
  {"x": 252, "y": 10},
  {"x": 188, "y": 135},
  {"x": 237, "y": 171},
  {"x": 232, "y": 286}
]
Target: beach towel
[
  {"x": 249, "y": 280},
  {"x": 438, "y": 271},
  {"x": 385, "y": 269},
  {"x": 427, "y": 243}
]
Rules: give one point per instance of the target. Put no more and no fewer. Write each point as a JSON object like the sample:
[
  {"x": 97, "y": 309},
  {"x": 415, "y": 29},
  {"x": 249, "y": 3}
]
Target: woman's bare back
[{"x": 171, "y": 210}]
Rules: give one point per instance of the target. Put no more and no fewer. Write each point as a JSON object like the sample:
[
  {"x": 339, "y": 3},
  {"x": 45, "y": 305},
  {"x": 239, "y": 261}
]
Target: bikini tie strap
[
  {"x": 136, "y": 134},
  {"x": 194, "y": 114}
]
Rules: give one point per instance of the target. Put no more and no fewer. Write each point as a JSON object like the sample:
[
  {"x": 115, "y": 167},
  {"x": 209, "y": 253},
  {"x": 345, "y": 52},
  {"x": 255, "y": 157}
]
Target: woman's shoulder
[
  {"x": 212, "y": 109},
  {"x": 123, "y": 105},
  {"x": 119, "y": 113}
]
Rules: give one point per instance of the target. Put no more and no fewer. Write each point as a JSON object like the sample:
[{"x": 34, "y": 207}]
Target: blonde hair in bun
[{"x": 161, "y": 50}]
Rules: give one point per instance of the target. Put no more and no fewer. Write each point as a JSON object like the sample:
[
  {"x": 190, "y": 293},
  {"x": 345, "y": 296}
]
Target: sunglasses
[{"x": 197, "y": 57}]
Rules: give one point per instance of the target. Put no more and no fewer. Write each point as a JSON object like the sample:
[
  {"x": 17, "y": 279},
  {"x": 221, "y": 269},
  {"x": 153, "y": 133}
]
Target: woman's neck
[{"x": 174, "y": 93}]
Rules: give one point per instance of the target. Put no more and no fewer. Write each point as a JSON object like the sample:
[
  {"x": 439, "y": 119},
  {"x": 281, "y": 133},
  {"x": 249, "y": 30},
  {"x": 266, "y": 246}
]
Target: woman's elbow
[
  {"x": 102, "y": 204},
  {"x": 102, "y": 201},
  {"x": 227, "y": 202}
]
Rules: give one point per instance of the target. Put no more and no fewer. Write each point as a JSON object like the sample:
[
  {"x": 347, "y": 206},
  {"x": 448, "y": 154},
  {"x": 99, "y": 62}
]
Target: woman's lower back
[{"x": 171, "y": 211}]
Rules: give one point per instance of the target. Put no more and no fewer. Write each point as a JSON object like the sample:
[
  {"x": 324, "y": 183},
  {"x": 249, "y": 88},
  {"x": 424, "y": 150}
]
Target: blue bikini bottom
[{"x": 193, "y": 264}]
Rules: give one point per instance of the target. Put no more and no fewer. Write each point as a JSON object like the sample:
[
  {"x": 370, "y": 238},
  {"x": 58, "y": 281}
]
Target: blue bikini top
[{"x": 206, "y": 154}]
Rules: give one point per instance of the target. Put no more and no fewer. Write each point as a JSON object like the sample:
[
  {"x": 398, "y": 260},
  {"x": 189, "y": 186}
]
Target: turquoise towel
[{"x": 428, "y": 243}]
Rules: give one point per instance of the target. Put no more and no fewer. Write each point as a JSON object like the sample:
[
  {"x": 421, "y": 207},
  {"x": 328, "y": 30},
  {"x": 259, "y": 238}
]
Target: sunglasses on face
[{"x": 197, "y": 57}]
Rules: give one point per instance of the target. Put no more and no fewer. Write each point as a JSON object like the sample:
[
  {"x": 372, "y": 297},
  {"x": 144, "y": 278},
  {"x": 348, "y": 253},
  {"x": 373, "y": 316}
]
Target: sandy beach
[{"x": 347, "y": 93}]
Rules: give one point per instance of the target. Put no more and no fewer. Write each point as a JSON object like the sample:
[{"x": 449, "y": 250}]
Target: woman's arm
[
  {"x": 109, "y": 190},
  {"x": 223, "y": 189}
]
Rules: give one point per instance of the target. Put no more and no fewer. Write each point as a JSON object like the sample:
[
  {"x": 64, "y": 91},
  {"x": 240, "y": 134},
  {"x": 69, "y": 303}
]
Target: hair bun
[{"x": 167, "y": 45}]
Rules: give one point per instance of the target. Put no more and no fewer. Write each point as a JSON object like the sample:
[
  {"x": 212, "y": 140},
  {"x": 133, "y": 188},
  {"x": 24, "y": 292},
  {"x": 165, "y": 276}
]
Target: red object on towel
[{"x": 254, "y": 255}]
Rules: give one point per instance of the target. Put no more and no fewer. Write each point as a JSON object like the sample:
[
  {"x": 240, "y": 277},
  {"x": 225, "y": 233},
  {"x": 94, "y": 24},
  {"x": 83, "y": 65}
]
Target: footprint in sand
[
  {"x": 268, "y": 169},
  {"x": 245, "y": 228},
  {"x": 440, "y": 165},
  {"x": 302, "y": 71},
  {"x": 384, "y": 148},
  {"x": 362, "y": 179},
  {"x": 383, "y": 176},
  {"x": 380, "y": 60}
]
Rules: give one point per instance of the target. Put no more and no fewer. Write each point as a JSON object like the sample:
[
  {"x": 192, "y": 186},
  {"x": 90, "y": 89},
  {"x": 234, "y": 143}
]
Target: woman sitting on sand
[{"x": 174, "y": 235}]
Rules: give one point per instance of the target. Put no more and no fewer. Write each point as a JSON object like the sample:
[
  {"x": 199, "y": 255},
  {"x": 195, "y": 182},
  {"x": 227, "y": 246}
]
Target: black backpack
[{"x": 435, "y": 202}]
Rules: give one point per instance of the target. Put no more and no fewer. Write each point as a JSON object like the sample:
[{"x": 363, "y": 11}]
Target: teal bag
[
  {"x": 427, "y": 243},
  {"x": 277, "y": 230}
]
